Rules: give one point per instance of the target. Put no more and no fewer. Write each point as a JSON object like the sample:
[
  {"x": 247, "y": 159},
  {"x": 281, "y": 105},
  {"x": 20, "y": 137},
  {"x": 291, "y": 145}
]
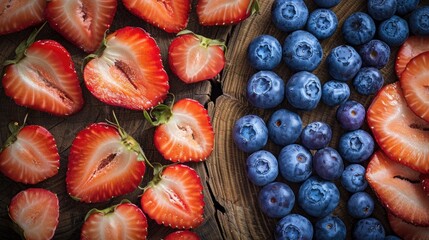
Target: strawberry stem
[
  {"x": 97, "y": 53},
  {"x": 158, "y": 168},
  {"x": 205, "y": 41},
  {"x": 161, "y": 113},
  {"x": 14, "y": 129},
  {"x": 253, "y": 7}
]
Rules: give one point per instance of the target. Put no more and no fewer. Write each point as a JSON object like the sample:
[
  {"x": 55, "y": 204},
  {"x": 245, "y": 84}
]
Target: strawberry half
[
  {"x": 121, "y": 221},
  {"x": 415, "y": 85},
  {"x": 30, "y": 154},
  {"x": 407, "y": 230},
  {"x": 82, "y": 22},
  {"x": 401, "y": 134},
  {"x": 16, "y": 15},
  {"x": 127, "y": 71},
  {"x": 413, "y": 46},
  {"x": 36, "y": 211},
  {"x": 172, "y": 16},
  {"x": 195, "y": 58},
  {"x": 174, "y": 197},
  {"x": 104, "y": 162},
  {"x": 42, "y": 77},
  {"x": 182, "y": 235},
  {"x": 225, "y": 12},
  {"x": 184, "y": 131},
  {"x": 398, "y": 188}
]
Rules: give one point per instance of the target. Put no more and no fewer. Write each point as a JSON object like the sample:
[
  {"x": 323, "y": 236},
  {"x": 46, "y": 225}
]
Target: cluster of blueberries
[{"x": 359, "y": 61}]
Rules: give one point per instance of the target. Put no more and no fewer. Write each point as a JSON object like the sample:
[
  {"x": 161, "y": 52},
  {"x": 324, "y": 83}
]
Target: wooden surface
[{"x": 231, "y": 210}]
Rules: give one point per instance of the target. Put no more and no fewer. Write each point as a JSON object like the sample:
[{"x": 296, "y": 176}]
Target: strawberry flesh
[
  {"x": 413, "y": 46},
  {"x": 16, "y": 15},
  {"x": 225, "y": 12},
  {"x": 407, "y": 230}
]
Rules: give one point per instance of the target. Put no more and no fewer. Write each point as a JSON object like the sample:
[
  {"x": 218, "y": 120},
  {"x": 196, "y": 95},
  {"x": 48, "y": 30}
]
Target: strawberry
[
  {"x": 398, "y": 188},
  {"x": 82, "y": 22},
  {"x": 182, "y": 235},
  {"x": 29, "y": 155},
  {"x": 195, "y": 58},
  {"x": 172, "y": 16},
  {"x": 104, "y": 162},
  {"x": 174, "y": 197},
  {"x": 42, "y": 77},
  {"x": 36, "y": 211},
  {"x": 184, "y": 131},
  {"x": 121, "y": 221},
  {"x": 415, "y": 84},
  {"x": 16, "y": 15},
  {"x": 225, "y": 12},
  {"x": 425, "y": 182},
  {"x": 413, "y": 46},
  {"x": 127, "y": 71},
  {"x": 401, "y": 134},
  {"x": 407, "y": 230}
]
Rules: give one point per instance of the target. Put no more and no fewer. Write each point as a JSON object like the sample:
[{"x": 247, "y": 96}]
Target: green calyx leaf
[
  {"x": 157, "y": 176},
  {"x": 204, "y": 41},
  {"x": 254, "y": 7},
  {"x": 97, "y": 53},
  {"x": 14, "y": 128},
  {"x": 161, "y": 113},
  {"x": 107, "y": 210}
]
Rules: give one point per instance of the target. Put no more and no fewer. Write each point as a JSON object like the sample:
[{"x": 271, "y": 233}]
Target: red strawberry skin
[
  {"x": 36, "y": 211},
  {"x": 407, "y": 230},
  {"x": 182, "y": 235},
  {"x": 413, "y": 46},
  {"x": 425, "y": 182},
  {"x": 45, "y": 80},
  {"x": 102, "y": 165},
  {"x": 16, "y": 15},
  {"x": 81, "y": 22},
  {"x": 188, "y": 135},
  {"x": 223, "y": 12},
  {"x": 174, "y": 198},
  {"x": 122, "y": 221},
  {"x": 32, "y": 157},
  {"x": 193, "y": 59},
  {"x": 401, "y": 134},
  {"x": 129, "y": 73},
  {"x": 171, "y": 16}
]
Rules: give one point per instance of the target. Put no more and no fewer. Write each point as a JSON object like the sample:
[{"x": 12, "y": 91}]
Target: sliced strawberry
[
  {"x": 415, "y": 85},
  {"x": 407, "y": 230},
  {"x": 172, "y": 16},
  {"x": 225, "y": 12},
  {"x": 36, "y": 211},
  {"x": 174, "y": 197},
  {"x": 182, "y": 235},
  {"x": 121, "y": 221},
  {"x": 425, "y": 182},
  {"x": 398, "y": 188},
  {"x": 43, "y": 77},
  {"x": 16, "y": 15},
  {"x": 81, "y": 22},
  {"x": 195, "y": 58},
  {"x": 401, "y": 134},
  {"x": 412, "y": 47},
  {"x": 104, "y": 162},
  {"x": 30, "y": 154},
  {"x": 184, "y": 131},
  {"x": 129, "y": 71}
]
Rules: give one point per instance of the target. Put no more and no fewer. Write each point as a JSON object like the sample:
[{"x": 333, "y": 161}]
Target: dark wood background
[{"x": 231, "y": 210}]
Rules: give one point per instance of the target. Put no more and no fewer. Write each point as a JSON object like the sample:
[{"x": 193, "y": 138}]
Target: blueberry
[
  {"x": 353, "y": 178},
  {"x": 295, "y": 163},
  {"x": 276, "y": 199},
  {"x": 262, "y": 167},
  {"x": 351, "y": 115},
  {"x": 381, "y": 9},
  {"x": 265, "y": 89},
  {"x": 368, "y": 81},
  {"x": 316, "y": 135},
  {"x": 303, "y": 90},
  {"x": 368, "y": 229},
  {"x": 394, "y": 31},
  {"x": 284, "y": 127},
  {"x": 264, "y": 52},
  {"x": 289, "y": 15},
  {"x": 302, "y": 51},
  {"x": 356, "y": 146},
  {"x": 330, "y": 227},
  {"x": 375, "y": 53},
  {"x": 360, "y": 205},
  {"x": 335, "y": 93},
  {"x": 250, "y": 133},
  {"x": 326, "y": 3},
  {"x": 391, "y": 237},
  {"x": 406, "y": 6},
  {"x": 419, "y": 21},
  {"x": 293, "y": 226},
  {"x": 328, "y": 164},
  {"x": 358, "y": 28},
  {"x": 318, "y": 197},
  {"x": 343, "y": 62},
  {"x": 322, "y": 23}
]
